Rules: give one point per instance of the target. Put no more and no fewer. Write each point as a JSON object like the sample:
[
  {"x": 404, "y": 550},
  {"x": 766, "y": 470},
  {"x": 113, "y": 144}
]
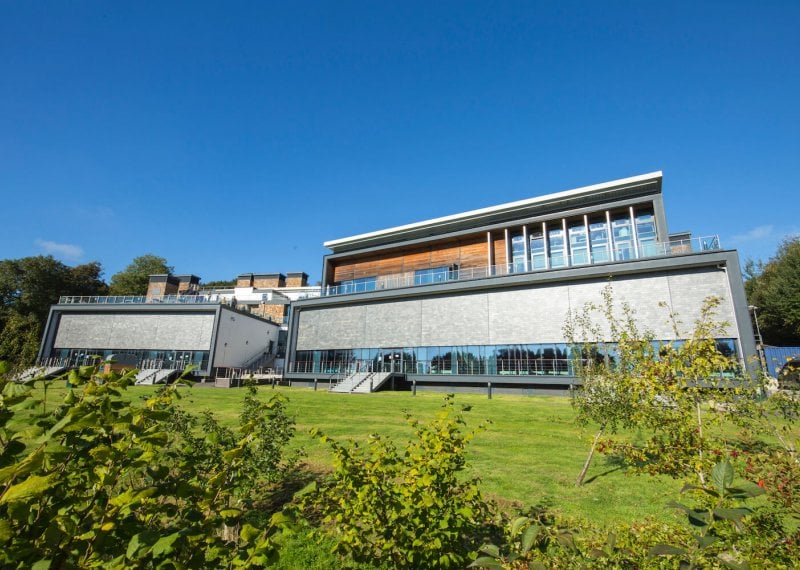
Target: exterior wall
[
  {"x": 240, "y": 339},
  {"x": 296, "y": 280},
  {"x": 269, "y": 281},
  {"x": 533, "y": 314},
  {"x": 187, "y": 283},
  {"x": 160, "y": 285},
  {"x": 275, "y": 313},
  {"x": 135, "y": 331}
]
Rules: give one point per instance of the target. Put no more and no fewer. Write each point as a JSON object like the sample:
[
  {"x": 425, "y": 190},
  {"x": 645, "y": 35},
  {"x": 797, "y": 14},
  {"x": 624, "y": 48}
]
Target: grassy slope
[{"x": 530, "y": 454}]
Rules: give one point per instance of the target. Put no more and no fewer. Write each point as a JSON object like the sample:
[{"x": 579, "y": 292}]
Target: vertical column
[
  {"x": 589, "y": 255},
  {"x": 634, "y": 234},
  {"x": 526, "y": 248},
  {"x": 489, "y": 254},
  {"x": 567, "y": 248},
  {"x": 546, "y": 244},
  {"x": 508, "y": 252},
  {"x": 611, "y": 245}
]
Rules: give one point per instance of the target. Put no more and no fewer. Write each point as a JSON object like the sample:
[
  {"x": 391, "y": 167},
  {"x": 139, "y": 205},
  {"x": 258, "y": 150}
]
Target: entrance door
[{"x": 390, "y": 360}]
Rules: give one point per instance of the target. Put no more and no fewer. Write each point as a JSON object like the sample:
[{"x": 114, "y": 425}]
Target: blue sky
[{"x": 235, "y": 137}]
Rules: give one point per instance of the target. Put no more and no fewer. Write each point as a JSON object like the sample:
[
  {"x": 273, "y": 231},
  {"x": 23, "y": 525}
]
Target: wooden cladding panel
[
  {"x": 473, "y": 254},
  {"x": 418, "y": 260},
  {"x": 445, "y": 256},
  {"x": 499, "y": 245},
  {"x": 467, "y": 252}
]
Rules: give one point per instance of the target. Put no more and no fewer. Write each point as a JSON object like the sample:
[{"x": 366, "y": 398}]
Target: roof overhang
[{"x": 594, "y": 193}]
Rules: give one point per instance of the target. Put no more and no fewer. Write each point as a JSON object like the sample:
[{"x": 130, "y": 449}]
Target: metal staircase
[
  {"x": 361, "y": 382},
  {"x": 148, "y": 376}
]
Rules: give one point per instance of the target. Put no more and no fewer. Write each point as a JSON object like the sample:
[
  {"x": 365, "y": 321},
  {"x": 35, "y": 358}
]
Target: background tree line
[
  {"x": 774, "y": 288},
  {"x": 28, "y": 286}
]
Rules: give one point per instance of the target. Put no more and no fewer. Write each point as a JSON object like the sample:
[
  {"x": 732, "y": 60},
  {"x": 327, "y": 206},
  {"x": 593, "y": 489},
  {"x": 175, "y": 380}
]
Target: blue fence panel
[{"x": 777, "y": 356}]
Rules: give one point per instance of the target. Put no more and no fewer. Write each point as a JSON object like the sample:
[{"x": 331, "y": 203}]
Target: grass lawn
[{"x": 530, "y": 454}]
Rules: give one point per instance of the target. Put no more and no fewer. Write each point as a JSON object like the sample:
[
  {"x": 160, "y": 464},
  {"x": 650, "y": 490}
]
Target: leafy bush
[
  {"x": 409, "y": 508},
  {"x": 103, "y": 482}
]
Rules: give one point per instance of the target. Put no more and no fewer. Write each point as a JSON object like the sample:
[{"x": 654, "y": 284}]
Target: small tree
[
  {"x": 610, "y": 363},
  {"x": 133, "y": 279},
  {"x": 693, "y": 387},
  {"x": 676, "y": 391}
]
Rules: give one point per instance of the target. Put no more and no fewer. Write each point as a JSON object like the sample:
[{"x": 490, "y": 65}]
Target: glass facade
[
  {"x": 623, "y": 236},
  {"x": 518, "y": 252},
  {"x": 578, "y": 245},
  {"x": 434, "y": 275},
  {"x": 178, "y": 359},
  {"x": 538, "y": 253},
  {"x": 646, "y": 232},
  {"x": 555, "y": 239},
  {"x": 357, "y": 285},
  {"x": 598, "y": 237},
  {"x": 549, "y": 359}
]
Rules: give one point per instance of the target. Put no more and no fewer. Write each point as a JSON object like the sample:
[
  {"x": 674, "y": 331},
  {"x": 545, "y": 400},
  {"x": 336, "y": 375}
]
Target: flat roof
[{"x": 477, "y": 215}]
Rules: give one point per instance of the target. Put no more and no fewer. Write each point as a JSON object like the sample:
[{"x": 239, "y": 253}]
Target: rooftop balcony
[{"x": 579, "y": 258}]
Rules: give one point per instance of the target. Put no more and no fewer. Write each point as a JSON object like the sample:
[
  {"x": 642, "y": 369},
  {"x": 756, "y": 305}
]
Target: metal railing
[
  {"x": 141, "y": 299},
  {"x": 579, "y": 258},
  {"x": 500, "y": 367}
]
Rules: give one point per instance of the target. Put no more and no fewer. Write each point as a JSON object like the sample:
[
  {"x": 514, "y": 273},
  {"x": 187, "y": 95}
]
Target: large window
[
  {"x": 517, "y": 252},
  {"x": 357, "y": 285},
  {"x": 623, "y": 236},
  {"x": 578, "y": 247},
  {"x": 538, "y": 254},
  {"x": 555, "y": 238},
  {"x": 435, "y": 275},
  {"x": 646, "y": 232},
  {"x": 598, "y": 235},
  {"x": 504, "y": 360}
]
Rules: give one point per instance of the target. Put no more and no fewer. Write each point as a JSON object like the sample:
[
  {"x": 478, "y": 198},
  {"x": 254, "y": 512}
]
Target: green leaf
[
  {"x": 28, "y": 465},
  {"x": 518, "y": 524},
  {"x": 722, "y": 476},
  {"x": 15, "y": 390},
  {"x": 665, "y": 550},
  {"x": 33, "y": 486},
  {"x": 732, "y": 514},
  {"x": 41, "y": 565},
  {"x": 748, "y": 492},
  {"x": 706, "y": 541},
  {"x": 249, "y": 533},
  {"x": 5, "y": 530},
  {"x": 730, "y": 562},
  {"x": 486, "y": 562},
  {"x": 164, "y": 544},
  {"x": 529, "y": 537},
  {"x": 133, "y": 546}
]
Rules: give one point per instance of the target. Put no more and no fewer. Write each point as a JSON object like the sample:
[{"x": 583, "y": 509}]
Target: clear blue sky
[{"x": 235, "y": 137}]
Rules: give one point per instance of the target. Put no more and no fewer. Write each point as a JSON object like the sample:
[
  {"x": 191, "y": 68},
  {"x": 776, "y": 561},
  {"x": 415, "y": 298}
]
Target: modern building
[
  {"x": 178, "y": 323},
  {"x": 478, "y": 300}
]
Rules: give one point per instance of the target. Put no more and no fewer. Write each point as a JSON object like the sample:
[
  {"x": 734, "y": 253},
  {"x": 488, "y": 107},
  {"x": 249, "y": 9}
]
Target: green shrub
[
  {"x": 409, "y": 508},
  {"x": 104, "y": 482}
]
